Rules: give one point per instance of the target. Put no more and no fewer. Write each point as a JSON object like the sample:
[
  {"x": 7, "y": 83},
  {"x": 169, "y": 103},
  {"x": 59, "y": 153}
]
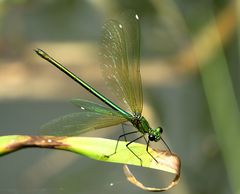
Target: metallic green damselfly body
[{"x": 120, "y": 54}]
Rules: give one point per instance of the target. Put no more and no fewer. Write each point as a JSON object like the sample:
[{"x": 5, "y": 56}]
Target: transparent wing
[
  {"x": 90, "y": 116},
  {"x": 120, "y": 52}
]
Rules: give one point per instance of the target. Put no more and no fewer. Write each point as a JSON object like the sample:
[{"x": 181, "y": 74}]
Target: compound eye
[
  {"x": 151, "y": 137},
  {"x": 161, "y": 130}
]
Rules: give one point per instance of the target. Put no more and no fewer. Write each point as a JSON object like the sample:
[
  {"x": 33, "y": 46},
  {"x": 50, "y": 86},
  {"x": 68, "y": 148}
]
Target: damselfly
[{"x": 120, "y": 54}]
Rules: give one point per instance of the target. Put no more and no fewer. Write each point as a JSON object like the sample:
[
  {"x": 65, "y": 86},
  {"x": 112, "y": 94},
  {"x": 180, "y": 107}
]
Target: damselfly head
[{"x": 155, "y": 134}]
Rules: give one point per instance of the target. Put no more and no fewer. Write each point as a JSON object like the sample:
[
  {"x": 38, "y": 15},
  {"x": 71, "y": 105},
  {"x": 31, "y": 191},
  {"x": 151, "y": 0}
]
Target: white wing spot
[
  {"x": 120, "y": 25},
  {"x": 82, "y": 108},
  {"x": 49, "y": 140},
  {"x": 136, "y": 16}
]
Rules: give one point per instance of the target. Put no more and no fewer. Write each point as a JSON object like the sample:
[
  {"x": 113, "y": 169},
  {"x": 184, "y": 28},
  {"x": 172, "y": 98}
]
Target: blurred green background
[{"x": 190, "y": 73}]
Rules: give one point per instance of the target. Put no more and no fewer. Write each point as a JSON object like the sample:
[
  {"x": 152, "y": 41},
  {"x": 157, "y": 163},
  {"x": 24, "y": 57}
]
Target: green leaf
[{"x": 100, "y": 149}]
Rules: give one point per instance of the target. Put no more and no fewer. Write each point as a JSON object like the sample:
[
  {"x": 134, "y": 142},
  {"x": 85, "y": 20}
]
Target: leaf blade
[{"x": 97, "y": 149}]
